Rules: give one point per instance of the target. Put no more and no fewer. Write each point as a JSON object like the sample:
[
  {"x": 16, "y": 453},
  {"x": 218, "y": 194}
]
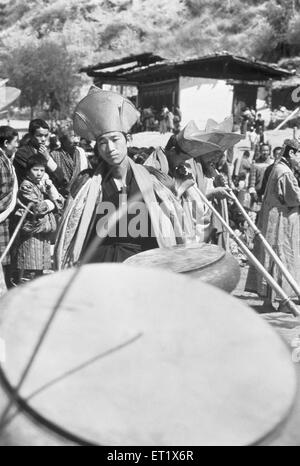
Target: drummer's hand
[
  {"x": 220, "y": 181},
  {"x": 220, "y": 193},
  {"x": 254, "y": 197}
]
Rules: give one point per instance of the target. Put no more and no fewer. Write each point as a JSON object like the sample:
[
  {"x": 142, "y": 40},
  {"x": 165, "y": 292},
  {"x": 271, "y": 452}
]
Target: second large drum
[{"x": 208, "y": 262}]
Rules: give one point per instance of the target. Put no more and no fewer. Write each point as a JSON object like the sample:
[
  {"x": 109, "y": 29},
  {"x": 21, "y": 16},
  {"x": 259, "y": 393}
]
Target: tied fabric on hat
[
  {"x": 102, "y": 112},
  {"x": 225, "y": 126},
  {"x": 189, "y": 143},
  {"x": 216, "y": 137},
  {"x": 221, "y": 134}
]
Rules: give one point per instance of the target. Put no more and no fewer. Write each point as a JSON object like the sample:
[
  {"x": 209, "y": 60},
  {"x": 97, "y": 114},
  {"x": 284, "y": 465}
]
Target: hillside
[
  {"x": 44, "y": 43},
  {"x": 105, "y": 29}
]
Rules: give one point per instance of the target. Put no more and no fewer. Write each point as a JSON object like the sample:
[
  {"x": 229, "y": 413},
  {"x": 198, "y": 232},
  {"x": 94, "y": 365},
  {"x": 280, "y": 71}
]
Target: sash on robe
[
  {"x": 81, "y": 163},
  {"x": 197, "y": 215},
  {"x": 80, "y": 213}
]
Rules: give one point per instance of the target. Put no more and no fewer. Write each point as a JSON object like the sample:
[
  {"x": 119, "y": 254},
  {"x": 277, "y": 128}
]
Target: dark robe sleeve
[
  {"x": 5, "y": 187},
  {"x": 20, "y": 161},
  {"x": 27, "y": 194}
]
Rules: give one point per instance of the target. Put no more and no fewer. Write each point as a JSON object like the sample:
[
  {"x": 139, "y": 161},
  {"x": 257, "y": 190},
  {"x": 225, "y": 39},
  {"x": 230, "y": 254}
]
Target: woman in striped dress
[
  {"x": 9, "y": 142},
  {"x": 33, "y": 254}
]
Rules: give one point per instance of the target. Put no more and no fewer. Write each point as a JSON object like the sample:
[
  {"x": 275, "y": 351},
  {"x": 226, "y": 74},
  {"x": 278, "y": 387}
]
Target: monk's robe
[
  {"x": 279, "y": 222},
  {"x": 257, "y": 172},
  {"x": 80, "y": 218},
  {"x": 197, "y": 214},
  {"x": 122, "y": 243}
]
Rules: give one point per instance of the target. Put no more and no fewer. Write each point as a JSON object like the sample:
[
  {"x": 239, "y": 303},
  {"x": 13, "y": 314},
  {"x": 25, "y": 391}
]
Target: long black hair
[
  {"x": 7, "y": 133},
  {"x": 36, "y": 124}
]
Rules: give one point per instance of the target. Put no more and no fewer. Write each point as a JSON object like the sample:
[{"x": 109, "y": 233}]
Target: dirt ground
[{"x": 249, "y": 298}]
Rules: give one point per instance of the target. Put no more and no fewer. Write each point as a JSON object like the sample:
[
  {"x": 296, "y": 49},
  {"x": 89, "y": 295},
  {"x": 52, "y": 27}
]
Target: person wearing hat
[
  {"x": 189, "y": 158},
  {"x": 279, "y": 222},
  {"x": 107, "y": 117},
  {"x": 208, "y": 179}
]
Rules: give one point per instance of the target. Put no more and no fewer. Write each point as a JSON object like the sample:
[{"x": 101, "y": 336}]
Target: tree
[
  {"x": 21, "y": 69},
  {"x": 2, "y": 14},
  {"x": 46, "y": 74},
  {"x": 59, "y": 76},
  {"x": 279, "y": 15}
]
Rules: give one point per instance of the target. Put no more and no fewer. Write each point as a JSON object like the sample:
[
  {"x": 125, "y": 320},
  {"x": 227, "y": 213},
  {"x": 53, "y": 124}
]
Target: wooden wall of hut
[
  {"x": 159, "y": 94},
  {"x": 243, "y": 96}
]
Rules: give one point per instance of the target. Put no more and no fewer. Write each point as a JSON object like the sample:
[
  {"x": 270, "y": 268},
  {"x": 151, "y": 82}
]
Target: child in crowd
[{"x": 33, "y": 247}]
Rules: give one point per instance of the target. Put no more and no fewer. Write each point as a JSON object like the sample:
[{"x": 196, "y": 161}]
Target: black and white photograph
[{"x": 150, "y": 225}]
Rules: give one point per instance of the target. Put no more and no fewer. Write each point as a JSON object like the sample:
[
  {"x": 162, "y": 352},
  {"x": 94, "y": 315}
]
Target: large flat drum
[
  {"x": 207, "y": 262},
  {"x": 289, "y": 329},
  {"x": 139, "y": 357}
]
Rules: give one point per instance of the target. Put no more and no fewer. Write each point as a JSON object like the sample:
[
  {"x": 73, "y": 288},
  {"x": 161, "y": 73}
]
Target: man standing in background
[
  {"x": 9, "y": 142},
  {"x": 38, "y": 145},
  {"x": 257, "y": 172}
]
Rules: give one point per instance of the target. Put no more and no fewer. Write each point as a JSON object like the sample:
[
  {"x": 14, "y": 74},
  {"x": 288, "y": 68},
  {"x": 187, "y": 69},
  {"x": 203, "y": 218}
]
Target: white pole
[
  {"x": 286, "y": 299},
  {"x": 288, "y": 118},
  {"x": 269, "y": 248},
  {"x": 12, "y": 239}
]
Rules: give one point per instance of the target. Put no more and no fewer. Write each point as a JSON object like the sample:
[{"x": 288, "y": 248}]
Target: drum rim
[
  {"x": 35, "y": 416},
  {"x": 57, "y": 430},
  {"x": 163, "y": 265}
]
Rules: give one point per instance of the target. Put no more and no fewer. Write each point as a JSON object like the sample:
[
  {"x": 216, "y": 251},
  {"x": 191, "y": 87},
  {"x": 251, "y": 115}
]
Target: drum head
[
  {"x": 180, "y": 259},
  {"x": 146, "y": 357},
  {"x": 208, "y": 262}
]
